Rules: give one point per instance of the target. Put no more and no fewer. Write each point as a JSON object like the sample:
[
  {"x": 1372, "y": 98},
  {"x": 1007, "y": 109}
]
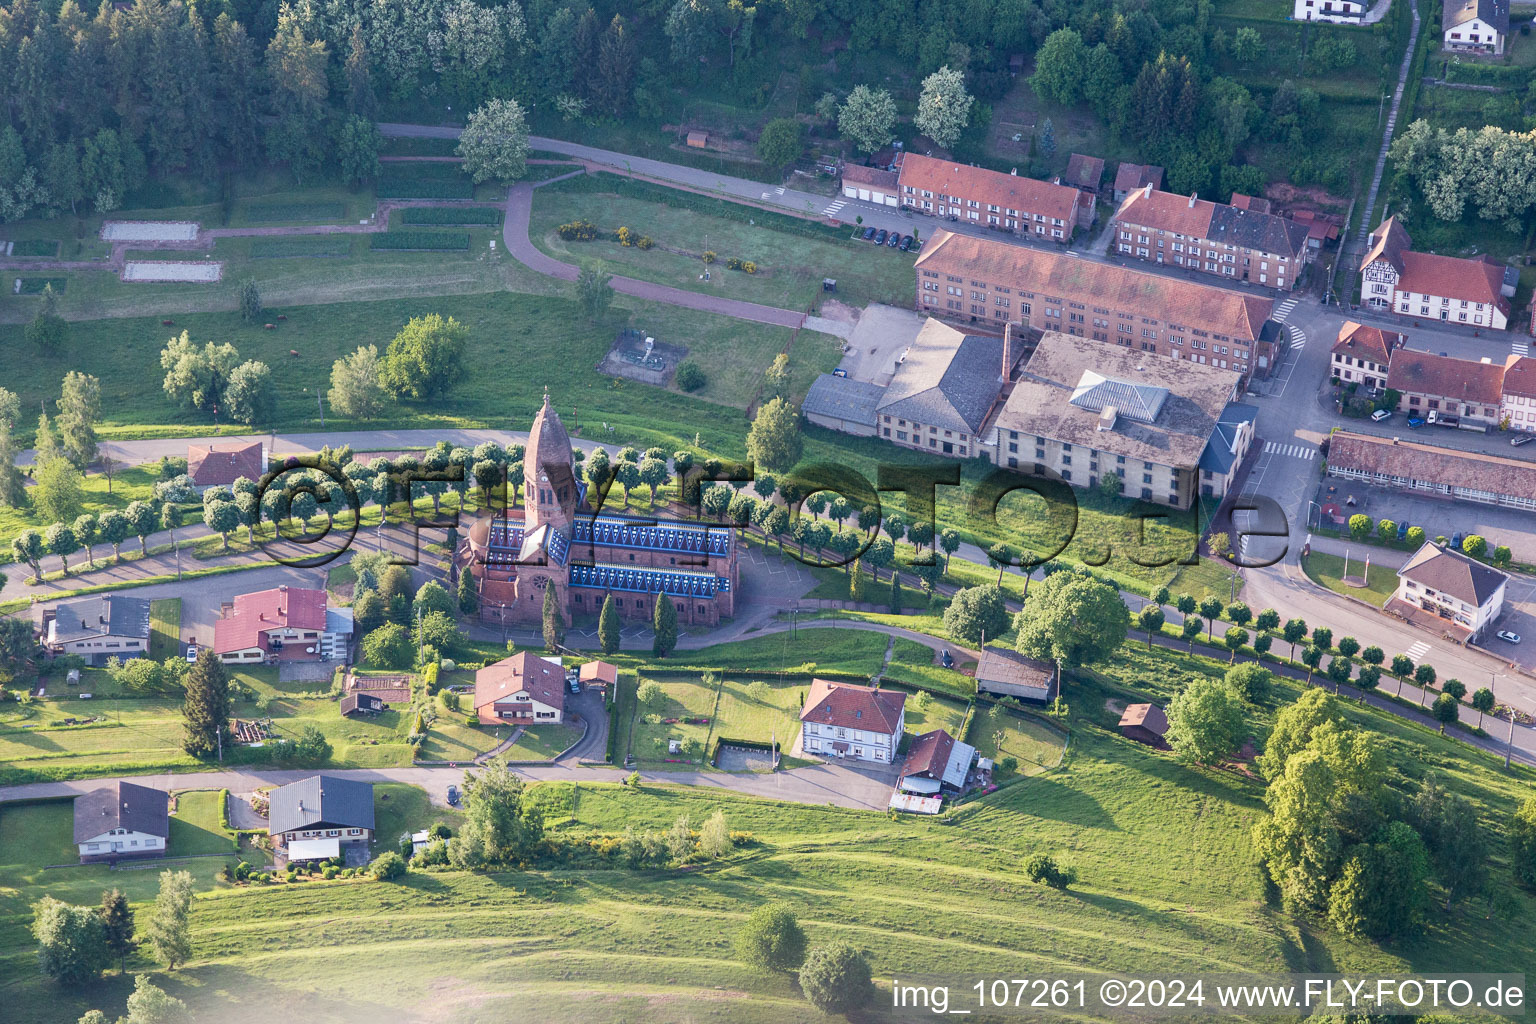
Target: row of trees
[
  {"x": 75, "y": 944},
  {"x": 1489, "y": 172},
  {"x": 1474, "y": 544}
]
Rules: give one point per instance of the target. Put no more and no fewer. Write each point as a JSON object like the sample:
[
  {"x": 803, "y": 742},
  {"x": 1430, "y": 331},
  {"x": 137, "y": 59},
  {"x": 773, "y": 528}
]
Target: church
[{"x": 556, "y": 539}]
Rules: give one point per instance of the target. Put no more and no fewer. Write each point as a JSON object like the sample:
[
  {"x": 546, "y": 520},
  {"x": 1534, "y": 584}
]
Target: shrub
[
  {"x": 624, "y": 237},
  {"x": 749, "y": 267},
  {"x": 644, "y": 242},
  {"x": 689, "y": 377},
  {"x": 1042, "y": 867},
  {"x": 329, "y": 871},
  {"x": 734, "y": 263},
  {"x": 577, "y": 231},
  {"x": 388, "y": 866},
  {"x": 771, "y": 939},
  {"x": 709, "y": 256}
]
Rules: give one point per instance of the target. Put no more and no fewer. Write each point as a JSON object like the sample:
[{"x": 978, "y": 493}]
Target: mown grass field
[
  {"x": 196, "y": 827},
  {"x": 1328, "y": 570},
  {"x": 1169, "y": 883}
]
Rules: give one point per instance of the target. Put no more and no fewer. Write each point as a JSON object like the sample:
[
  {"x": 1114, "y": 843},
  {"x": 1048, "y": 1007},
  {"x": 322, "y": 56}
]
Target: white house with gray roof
[
  {"x": 98, "y": 628},
  {"x": 320, "y": 817},
  {"x": 1479, "y": 26}
]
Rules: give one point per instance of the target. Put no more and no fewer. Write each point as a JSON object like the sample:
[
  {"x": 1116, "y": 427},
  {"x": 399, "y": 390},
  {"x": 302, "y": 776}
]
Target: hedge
[
  {"x": 1510, "y": 76},
  {"x": 45, "y": 247},
  {"x": 279, "y": 247},
  {"x": 424, "y": 181},
  {"x": 420, "y": 240},
  {"x": 451, "y": 215},
  {"x": 726, "y": 741}
]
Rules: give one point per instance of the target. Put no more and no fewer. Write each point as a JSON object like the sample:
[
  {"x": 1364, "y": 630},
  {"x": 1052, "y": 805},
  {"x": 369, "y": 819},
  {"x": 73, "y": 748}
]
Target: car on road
[
  {"x": 1508, "y": 637},
  {"x": 1414, "y": 423},
  {"x": 906, "y": 242},
  {"x": 868, "y": 234},
  {"x": 1516, "y": 442},
  {"x": 191, "y": 654},
  {"x": 880, "y": 236},
  {"x": 453, "y": 796},
  {"x": 946, "y": 659},
  {"x": 1380, "y": 414}
]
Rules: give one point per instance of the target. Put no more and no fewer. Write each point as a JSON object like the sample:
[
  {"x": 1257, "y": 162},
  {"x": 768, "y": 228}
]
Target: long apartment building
[
  {"x": 1023, "y": 206},
  {"x": 1241, "y": 243},
  {"x": 987, "y": 280}
]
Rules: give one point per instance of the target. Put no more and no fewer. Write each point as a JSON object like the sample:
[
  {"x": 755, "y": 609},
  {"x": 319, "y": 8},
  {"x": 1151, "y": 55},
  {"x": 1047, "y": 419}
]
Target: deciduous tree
[
  {"x": 943, "y": 107},
  {"x": 494, "y": 143},
  {"x": 867, "y": 118}
]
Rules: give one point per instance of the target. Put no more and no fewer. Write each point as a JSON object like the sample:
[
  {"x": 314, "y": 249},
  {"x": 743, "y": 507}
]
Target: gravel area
[
  {"x": 149, "y": 231},
  {"x": 157, "y": 270}
]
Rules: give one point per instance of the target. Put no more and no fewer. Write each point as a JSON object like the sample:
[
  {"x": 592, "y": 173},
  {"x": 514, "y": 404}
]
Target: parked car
[
  {"x": 868, "y": 234},
  {"x": 1516, "y": 442},
  {"x": 453, "y": 796},
  {"x": 906, "y": 242},
  {"x": 1456, "y": 541},
  {"x": 880, "y": 236},
  {"x": 1508, "y": 637},
  {"x": 574, "y": 683},
  {"x": 1415, "y": 423},
  {"x": 1380, "y": 414},
  {"x": 191, "y": 654},
  {"x": 1434, "y": 417},
  {"x": 894, "y": 240}
]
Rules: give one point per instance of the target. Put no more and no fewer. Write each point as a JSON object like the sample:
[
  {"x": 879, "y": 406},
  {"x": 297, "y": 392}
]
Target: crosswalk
[
  {"x": 776, "y": 192},
  {"x": 833, "y": 208},
  {"x": 1418, "y": 650},
  {"x": 1519, "y": 347},
  {"x": 1284, "y": 310},
  {"x": 1298, "y": 337},
  {"x": 1296, "y": 451}
]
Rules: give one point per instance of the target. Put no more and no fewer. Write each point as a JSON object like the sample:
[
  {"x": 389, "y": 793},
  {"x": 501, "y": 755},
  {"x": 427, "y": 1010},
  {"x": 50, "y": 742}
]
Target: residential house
[
  {"x": 1131, "y": 177},
  {"x": 219, "y": 465},
  {"x": 98, "y": 628},
  {"x": 1145, "y": 723},
  {"x": 1429, "y": 469},
  {"x": 320, "y": 817},
  {"x": 1466, "y": 388},
  {"x": 122, "y": 820},
  {"x": 870, "y": 185},
  {"x": 524, "y": 689},
  {"x": 988, "y": 280},
  {"x": 1477, "y": 26},
  {"x": 1228, "y": 446},
  {"x": 944, "y": 388},
  {"x": 1342, "y": 12},
  {"x": 1362, "y": 354},
  {"x": 282, "y": 624},
  {"x": 1518, "y": 405},
  {"x": 1243, "y": 243},
  {"x": 1082, "y": 411},
  {"x": 1084, "y": 172},
  {"x": 1394, "y": 278},
  {"x": 844, "y": 720},
  {"x": 1442, "y": 588},
  {"x": 1004, "y": 672},
  {"x": 936, "y": 762},
  {"x": 843, "y": 404},
  {"x": 1025, "y": 206}
]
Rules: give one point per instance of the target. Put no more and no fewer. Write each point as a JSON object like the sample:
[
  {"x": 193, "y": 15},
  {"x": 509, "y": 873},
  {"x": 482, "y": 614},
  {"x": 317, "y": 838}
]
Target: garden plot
[
  {"x": 149, "y": 231},
  {"x": 171, "y": 270}
]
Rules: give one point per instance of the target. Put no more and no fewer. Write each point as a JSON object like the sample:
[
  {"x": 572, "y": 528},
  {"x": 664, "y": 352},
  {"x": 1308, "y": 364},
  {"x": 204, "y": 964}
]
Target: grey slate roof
[
  {"x": 1454, "y": 573},
  {"x": 948, "y": 379},
  {"x": 327, "y": 801},
  {"x": 843, "y": 398},
  {"x": 122, "y": 805},
  {"x": 1220, "y": 449},
  {"x": 1250, "y": 229},
  {"x": 1494, "y": 12},
  {"x": 108, "y": 615}
]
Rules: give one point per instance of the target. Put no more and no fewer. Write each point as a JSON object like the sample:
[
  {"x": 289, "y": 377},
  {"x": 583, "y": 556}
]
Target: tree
[
  {"x": 47, "y": 330},
  {"x": 296, "y": 67},
  {"x": 1294, "y": 728},
  {"x": 664, "y": 623},
  {"x": 1312, "y": 657},
  {"x": 71, "y": 942},
  {"x": 206, "y": 707},
  {"x": 250, "y": 396},
  {"x": 426, "y": 358},
  {"x": 12, "y": 488},
  {"x": 1295, "y": 631},
  {"x": 1348, "y": 646},
  {"x": 1475, "y": 545},
  {"x": 1114, "y": 483},
  {"x": 357, "y": 384},
  {"x": 1322, "y": 638},
  {"x": 1402, "y": 668},
  {"x": 553, "y": 626},
  {"x": 311, "y": 747},
  {"x": 468, "y": 599},
  {"x": 250, "y": 301},
  {"x": 1522, "y": 844},
  {"x": 494, "y": 143},
  {"x": 1484, "y": 701},
  {"x": 1220, "y": 544},
  {"x": 1189, "y": 629},
  {"x": 595, "y": 292},
  {"x": 1424, "y": 675},
  {"x": 62, "y": 541},
  {"x": 222, "y": 517},
  {"x": 1380, "y": 890},
  {"x": 117, "y": 923},
  {"x": 1211, "y": 608},
  {"x": 196, "y": 377},
  {"x": 1446, "y": 710},
  {"x": 1073, "y": 620},
  {"x": 1249, "y": 681},
  {"x": 1186, "y": 604},
  {"x": 59, "y": 494},
  {"x": 1373, "y": 655},
  {"x": 1247, "y": 45},
  {"x": 608, "y": 626},
  {"x": 388, "y": 866},
  {"x": 777, "y": 382},
  {"x": 1205, "y": 722},
  {"x": 771, "y": 939},
  {"x": 357, "y": 145},
  {"x": 17, "y": 647},
  {"x": 1267, "y": 619},
  {"x": 1150, "y": 619},
  {"x": 79, "y": 409},
  {"x": 780, "y": 143},
  {"x": 1235, "y": 639},
  {"x": 502, "y": 823},
  {"x": 1415, "y": 537},
  {"x": 1059, "y": 65},
  {"x": 148, "y": 1004},
  {"x": 113, "y": 528},
  {"x": 1359, "y": 526},
  {"x": 612, "y": 89},
  {"x": 28, "y": 546},
  {"x": 774, "y": 441},
  {"x": 976, "y": 613},
  {"x": 835, "y": 978},
  {"x": 943, "y": 107},
  {"x": 867, "y": 118},
  {"x": 169, "y": 933}
]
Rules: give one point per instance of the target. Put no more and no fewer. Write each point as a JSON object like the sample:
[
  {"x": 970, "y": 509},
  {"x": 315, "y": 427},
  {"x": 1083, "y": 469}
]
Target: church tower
[{"x": 549, "y": 486}]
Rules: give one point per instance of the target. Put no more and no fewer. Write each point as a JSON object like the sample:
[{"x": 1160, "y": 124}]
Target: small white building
[
  {"x": 1440, "y": 587},
  {"x": 844, "y": 720},
  {"x": 1478, "y": 26},
  {"x": 98, "y": 628},
  {"x": 1518, "y": 400},
  {"x": 122, "y": 820},
  {"x": 1343, "y": 12}
]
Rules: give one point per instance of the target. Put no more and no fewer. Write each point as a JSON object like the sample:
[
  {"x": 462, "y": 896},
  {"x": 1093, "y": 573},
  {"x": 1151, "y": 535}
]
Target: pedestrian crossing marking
[
  {"x": 1295, "y": 451},
  {"x": 1284, "y": 309},
  {"x": 834, "y": 208},
  {"x": 1418, "y": 650}
]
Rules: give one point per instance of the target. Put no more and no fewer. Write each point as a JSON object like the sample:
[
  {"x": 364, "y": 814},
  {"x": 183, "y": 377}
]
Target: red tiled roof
[
  {"x": 1132, "y": 176},
  {"x": 1246, "y": 226},
  {"x": 858, "y": 174},
  {"x": 848, "y": 706},
  {"x": 1371, "y": 343},
  {"x": 1475, "y": 280},
  {"x": 929, "y": 755},
  {"x": 522, "y": 673},
  {"x": 252, "y": 615},
  {"x": 1411, "y": 461},
  {"x": 1520, "y": 376},
  {"x": 1253, "y": 203},
  {"x": 599, "y": 672},
  {"x": 1009, "y": 191},
  {"x": 212, "y": 465},
  {"x": 1170, "y": 299},
  {"x": 1084, "y": 171},
  {"x": 1465, "y": 380}
]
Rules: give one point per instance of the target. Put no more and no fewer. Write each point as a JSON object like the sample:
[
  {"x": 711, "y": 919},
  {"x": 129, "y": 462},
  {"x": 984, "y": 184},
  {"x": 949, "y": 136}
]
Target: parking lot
[
  {"x": 1439, "y": 517},
  {"x": 882, "y": 334}
]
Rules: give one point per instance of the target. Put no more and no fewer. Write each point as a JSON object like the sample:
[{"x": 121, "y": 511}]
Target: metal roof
[
  {"x": 109, "y": 615},
  {"x": 320, "y": 800},
  {"x": 1140, "y": 402},
  {"x": 843, "y": 398}
]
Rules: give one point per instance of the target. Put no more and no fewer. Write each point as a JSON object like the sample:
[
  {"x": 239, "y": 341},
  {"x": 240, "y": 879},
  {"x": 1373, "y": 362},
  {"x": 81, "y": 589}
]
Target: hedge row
[
  {"x": 279, "y": 247},
  {"x": 268, "y": 212},
  {"x": 1510, "y": 76},
  {"x": 44, "y": 247},
  {"x": 451, "y": 215},
  {"x": 426, "y": 240},
  {"x": 424, "y": 181}
]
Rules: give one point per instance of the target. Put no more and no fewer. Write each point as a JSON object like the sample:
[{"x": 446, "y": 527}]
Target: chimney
[
  {"x": 1007, "y": 351},
  {"x": 1192, "y": 197},
  {"x": 1014, "y": 172},
  {"x": 1148, "y": 193}
]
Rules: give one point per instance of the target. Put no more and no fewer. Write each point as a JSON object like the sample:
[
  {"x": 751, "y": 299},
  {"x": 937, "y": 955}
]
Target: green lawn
[
  {"x": 128, "y": 485},
  {"x": 543, "y": 742},
  {"x": 452, "y": 739},
  {"x": 1329, "y": 571},
  {"x": 1029, "y": 739},
  {"x": 165, "y": 628},
  {"x": 196, "y": 827},
  {"x": 400, "y": 809}
]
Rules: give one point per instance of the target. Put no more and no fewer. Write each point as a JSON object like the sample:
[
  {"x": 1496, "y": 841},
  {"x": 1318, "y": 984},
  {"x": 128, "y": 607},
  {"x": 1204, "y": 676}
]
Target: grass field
[
  {"x": 1328, "y": 570},
  {"x": 196, "y": 826},
  {"x": 1027, "y": 738},
  {"x": 165, "y": 628},
  {"x": 1169, "y": 882},
  {"x": 543, "y": 742},
  {"x": 451, "y": 739}
]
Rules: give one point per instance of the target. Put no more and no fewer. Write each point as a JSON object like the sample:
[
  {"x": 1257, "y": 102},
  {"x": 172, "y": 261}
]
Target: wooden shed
[
  {"x": 698, "y": 140},
  {"x": 1145, "y": 723}
]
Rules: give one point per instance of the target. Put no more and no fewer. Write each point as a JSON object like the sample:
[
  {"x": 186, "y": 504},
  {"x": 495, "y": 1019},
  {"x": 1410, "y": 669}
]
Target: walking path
[{"x": 1386, "y": 137}]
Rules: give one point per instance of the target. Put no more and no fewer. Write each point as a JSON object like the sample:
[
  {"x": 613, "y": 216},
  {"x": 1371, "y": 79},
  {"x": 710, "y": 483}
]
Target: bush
[
  {"x": 689, "y": 377},
  {"x": 836, "y": 978},
  {"x": 771, "y": 939},
  {"x": 644, "y": 242},
  {"x": 577, "y": 231},
  {"x": 388, "y": 866},
  {"x": 329, "y": 872},
  {"x": 1042, "y": 867}
]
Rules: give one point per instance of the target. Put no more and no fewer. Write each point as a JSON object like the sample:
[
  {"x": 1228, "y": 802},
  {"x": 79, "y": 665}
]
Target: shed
[
  {"x": 698, "y": 140},
  {"x": 1145, "y": 723},
  {"x": 843, "y": 404},
  {"x": 357, "y": 703},
  {"x": 1006, "y": 673},
  {"x": 599, "y": 674}
]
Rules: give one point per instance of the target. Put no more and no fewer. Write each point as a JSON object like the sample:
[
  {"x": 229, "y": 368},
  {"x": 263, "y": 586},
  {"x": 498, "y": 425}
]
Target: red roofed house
[
  {"x": 935, "y": 760},
  {"x": 1243, "y": 243},
  {"x": 857, "y": 722},
  {"x": 601, "y": 675},
  {"x": 521, "y": 690},
  {"x": 1519, "y": 408},
  {"x": 219, "y": 465},
  {"x": 942, "y": 188},
  {"x": 1475, "y": 292},
  {"x": 1130, "y": 177},
  {"x": 1084, "y": 172},
  {"x": 282, "y": 624},
  {"x": 1363, "y": 353},
  {"x": 1446, "y": 386}
]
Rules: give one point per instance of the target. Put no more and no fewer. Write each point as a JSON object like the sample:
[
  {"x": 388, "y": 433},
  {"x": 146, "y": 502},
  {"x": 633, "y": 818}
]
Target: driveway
[
  {"x": 593, "y": 745},
  {"x": 878, "y": 340}
]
